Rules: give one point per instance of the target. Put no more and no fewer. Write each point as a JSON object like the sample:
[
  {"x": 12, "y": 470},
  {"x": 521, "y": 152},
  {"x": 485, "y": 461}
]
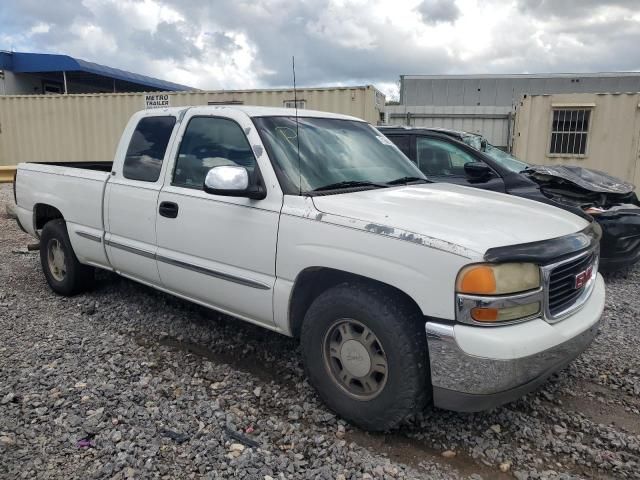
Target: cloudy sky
[{"x": 213, "y": 44}]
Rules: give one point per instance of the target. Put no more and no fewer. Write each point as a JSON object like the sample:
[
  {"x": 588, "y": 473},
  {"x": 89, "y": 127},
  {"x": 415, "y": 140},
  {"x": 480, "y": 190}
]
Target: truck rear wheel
[
  {"x": 365, "y": 352},
  {"x": 64, "y": 274}
]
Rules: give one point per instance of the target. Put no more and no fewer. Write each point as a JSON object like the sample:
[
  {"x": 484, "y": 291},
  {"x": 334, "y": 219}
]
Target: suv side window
[
  {"x": 440, "y": 158},
  {"x": 403, "y": 142},
  {"x": 211, "y": 142},
  {"x": 147, "y": 147}
]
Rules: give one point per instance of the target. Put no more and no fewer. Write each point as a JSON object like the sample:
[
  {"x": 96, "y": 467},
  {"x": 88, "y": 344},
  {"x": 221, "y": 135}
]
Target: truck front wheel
[
  {"x": 365, "y": 352},
  {"x": 64, "y": 274}
]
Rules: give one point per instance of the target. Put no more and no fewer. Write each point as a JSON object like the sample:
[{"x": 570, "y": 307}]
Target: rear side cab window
[
  {"x": 148, "y": 145},
  {"x": 211, "y": 142},
  {"x": 440, "y": 158}
]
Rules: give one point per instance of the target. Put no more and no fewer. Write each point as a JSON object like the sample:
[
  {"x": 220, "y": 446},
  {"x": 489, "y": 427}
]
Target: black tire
[
  {"x": 76, "y": 277},
  {"x": 399, "y": 328}
]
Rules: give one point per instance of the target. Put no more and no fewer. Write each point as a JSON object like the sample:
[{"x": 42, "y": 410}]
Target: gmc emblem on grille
[{"x": 582, "y": 278}]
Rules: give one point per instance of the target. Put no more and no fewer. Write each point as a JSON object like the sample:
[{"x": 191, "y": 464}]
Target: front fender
[{"x": 427, "y": 275}]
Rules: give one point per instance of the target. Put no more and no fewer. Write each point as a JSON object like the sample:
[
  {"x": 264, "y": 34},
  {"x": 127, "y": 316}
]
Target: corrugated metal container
[
  {"x": 75, "y": 128},
  {"x": 505, "y": 90},
  {"x": 492, "y": 122},
  {"x": 613, "y": 136}
]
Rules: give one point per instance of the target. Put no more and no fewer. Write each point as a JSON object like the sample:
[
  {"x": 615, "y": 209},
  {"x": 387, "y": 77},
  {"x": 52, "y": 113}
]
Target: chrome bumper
[{"x": 467, "y": 382}]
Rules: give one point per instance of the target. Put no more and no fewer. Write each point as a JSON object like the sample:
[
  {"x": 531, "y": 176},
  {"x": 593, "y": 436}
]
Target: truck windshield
[{"x": 334, "y": 154}]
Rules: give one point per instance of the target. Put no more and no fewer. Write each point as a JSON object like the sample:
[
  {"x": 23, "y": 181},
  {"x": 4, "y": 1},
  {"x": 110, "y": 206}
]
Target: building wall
[
  {"x": 492, "y": 122},
  {"x": 16, "y": 84},
  {"x": 504, "y": 90},
  {"x": 613, "y": 137},
  {"x": 68, "y": 128}
]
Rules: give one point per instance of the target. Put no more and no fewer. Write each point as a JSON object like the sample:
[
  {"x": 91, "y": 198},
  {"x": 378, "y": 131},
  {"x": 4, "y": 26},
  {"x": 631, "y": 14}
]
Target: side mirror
[
  {"x": 477, "y": 171},
  {"x": 232, "y": 181}
]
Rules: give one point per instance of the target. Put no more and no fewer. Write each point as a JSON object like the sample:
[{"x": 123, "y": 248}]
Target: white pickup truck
[{"x": 401, "y": 291}]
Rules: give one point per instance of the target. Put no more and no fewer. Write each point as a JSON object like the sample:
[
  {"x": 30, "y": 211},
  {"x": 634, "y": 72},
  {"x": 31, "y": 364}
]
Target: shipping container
[
  {"x": 599, "y": 131},
  {"x": 505, "y": 89},
  {"x": 87, "y": 127}
]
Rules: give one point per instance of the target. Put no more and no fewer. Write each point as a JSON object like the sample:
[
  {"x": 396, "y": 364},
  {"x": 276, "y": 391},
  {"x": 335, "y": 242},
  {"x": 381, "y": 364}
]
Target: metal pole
[
  {"x": 64, "y": 78},
  {"x": 510, "y": 117}
]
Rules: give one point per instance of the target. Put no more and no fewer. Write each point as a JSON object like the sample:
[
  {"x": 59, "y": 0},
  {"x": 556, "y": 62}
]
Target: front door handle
[{"x": 168, "y": 209}]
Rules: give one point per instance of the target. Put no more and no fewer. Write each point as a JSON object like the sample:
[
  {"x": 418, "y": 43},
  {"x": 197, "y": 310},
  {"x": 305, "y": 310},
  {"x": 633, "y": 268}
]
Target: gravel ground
[{"x": 127, "y": 382}]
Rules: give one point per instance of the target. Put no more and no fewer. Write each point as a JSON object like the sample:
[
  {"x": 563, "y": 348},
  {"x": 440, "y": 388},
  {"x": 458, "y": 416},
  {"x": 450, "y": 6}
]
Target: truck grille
[{"x": 563, "y": 293}]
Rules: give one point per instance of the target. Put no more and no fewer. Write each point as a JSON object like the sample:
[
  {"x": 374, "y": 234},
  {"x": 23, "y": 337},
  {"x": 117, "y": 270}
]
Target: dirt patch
[
  {"x": 399, "y": 448},
  {"x": 604, "y": 407},
  {"x": 245, "y": 364}
]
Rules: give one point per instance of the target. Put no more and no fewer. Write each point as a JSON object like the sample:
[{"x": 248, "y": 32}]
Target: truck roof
[{"x": 253, "y": 111}]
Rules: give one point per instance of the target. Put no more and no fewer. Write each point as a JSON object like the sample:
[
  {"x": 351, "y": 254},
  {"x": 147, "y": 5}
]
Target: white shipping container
[
  {"x": 87, "y": 127},
  {"x": 612, "y": 132}
]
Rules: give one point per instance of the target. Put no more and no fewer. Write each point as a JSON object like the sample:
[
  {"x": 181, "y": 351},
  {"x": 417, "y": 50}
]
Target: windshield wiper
[
  {"x": 401, "y": 180},
  {"x": 349, "y": 184}
]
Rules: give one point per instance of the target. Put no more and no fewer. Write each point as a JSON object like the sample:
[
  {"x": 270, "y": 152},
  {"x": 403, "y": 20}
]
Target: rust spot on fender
[
  {"x": 411, "y": 237},
  {"x": 308, "y": 211},
  {"x": 379, "y": 229}
]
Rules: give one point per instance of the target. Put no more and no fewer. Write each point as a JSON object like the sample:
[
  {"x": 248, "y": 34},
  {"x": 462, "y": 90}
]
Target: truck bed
[{"x": 76, "y": 190}]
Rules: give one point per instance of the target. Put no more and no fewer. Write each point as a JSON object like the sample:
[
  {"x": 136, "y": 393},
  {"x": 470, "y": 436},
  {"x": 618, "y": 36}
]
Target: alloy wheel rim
[
  {"x": 355, "y": 359},
  {"x": 56, "y": 259}
]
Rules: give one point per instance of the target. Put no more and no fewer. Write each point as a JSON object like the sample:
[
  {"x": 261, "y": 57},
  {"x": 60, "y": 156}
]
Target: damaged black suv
[{"x": 468, "y": 159}]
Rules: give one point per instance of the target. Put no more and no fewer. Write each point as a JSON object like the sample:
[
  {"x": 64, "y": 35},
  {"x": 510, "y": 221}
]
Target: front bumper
[{"x": 478, "y": 368}]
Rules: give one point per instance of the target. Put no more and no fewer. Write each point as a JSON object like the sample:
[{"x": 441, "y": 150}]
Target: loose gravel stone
[{"x": 127, "y": 382}]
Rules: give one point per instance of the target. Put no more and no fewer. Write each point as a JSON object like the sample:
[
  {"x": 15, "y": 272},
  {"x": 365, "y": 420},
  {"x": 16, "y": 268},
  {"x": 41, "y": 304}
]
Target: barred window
[{"x": 569, "y": 131}]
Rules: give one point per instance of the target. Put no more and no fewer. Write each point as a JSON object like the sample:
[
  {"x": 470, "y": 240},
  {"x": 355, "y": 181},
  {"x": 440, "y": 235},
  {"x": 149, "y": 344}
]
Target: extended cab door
[
  {"x": 131, "y": 196},
  {"x": 219, "y": 250}
]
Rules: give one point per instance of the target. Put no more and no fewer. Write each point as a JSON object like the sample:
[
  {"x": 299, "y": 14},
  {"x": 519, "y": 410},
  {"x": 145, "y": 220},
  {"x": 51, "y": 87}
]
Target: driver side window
[
  {"x": 210, "y": 142},
  {"x": 441, "y": 159}
]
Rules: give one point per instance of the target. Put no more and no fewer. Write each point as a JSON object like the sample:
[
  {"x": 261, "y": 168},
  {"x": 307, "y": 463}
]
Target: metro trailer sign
[{"x": 156, "y": 100}]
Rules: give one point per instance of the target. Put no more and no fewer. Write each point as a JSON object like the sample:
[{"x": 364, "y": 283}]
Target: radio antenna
[{"x": 295, "y": 104}]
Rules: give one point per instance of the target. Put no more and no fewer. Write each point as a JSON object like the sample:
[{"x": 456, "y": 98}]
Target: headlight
[
  {"x": 500, "y": 279},
  {"x": 494, "y": 293}
]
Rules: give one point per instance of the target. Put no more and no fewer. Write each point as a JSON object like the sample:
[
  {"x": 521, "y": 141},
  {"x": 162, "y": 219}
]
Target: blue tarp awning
[{"x": 20, "y": 62}]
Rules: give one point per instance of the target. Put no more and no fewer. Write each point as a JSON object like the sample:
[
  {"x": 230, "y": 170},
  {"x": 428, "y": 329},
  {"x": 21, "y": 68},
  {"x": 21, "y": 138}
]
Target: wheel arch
[
  {"x": 43, "y": 213},
  {"x": 312, "y": 281}
]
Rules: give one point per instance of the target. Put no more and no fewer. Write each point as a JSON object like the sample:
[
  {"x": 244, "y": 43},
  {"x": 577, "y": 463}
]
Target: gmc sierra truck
[{"x": 402, "y": 292}]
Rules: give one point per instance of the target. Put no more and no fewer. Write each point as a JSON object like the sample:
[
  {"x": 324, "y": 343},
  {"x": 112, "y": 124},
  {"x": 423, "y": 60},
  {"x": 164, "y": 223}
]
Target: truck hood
[{"x": 463, "y": 220}]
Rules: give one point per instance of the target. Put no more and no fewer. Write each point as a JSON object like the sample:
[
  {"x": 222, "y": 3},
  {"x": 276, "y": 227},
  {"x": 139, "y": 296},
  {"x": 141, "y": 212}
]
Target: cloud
[
  {"x": 248, "y": 44},
  {"x": 175, "y": 41},
  {"x": 223, "y": 41},
  {"x": 435, "y": 11}
]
